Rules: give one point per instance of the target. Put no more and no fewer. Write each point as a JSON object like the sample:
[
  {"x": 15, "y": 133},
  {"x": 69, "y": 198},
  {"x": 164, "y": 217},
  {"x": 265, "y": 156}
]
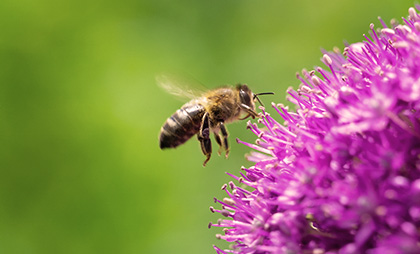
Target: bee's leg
[
  {"x": 245, "y": 117},
  {"x": 249, "y": 111},
  {"x": 219, "y": 142},
  {"x": 225, "y": 137},
  {"x": 204, "y": 137}
]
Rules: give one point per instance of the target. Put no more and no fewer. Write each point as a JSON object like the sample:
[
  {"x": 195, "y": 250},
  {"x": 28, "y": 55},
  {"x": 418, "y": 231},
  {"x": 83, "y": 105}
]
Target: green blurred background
[{"x": 80, "y": 166}]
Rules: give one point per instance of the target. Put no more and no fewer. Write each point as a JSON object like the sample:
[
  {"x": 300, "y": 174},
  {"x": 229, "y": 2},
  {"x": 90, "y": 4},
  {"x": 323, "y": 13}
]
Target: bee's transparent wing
[{"x": 180, "y": 87}]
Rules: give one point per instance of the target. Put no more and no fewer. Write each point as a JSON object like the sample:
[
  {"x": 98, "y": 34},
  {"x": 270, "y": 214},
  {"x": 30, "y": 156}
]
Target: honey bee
[{"x": 207, "y": 113}]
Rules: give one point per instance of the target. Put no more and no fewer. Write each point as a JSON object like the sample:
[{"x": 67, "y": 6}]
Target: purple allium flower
[{"x": 342, "y": 174}]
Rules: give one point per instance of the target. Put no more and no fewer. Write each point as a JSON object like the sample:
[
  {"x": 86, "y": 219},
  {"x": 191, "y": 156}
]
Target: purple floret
[{"x": 342, "y": 173}]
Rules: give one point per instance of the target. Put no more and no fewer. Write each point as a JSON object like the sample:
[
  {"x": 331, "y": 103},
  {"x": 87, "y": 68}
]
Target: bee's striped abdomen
[{"x": 181, "y": 126}]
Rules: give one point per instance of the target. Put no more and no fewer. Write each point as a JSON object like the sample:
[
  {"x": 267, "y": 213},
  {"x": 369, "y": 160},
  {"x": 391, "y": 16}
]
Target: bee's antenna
[{"x": 258, "y": 99}]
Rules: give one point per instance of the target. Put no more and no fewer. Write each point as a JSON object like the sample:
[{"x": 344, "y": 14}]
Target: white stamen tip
[
  {"x": 412, "y": 12},
  {"x": 327, "y": 59},
  {"x": 400, "y": 44},
  {"x": 417, "y": 26},
  {"x": 388, "y": 31},
  {"x": 315, "y": 80}
]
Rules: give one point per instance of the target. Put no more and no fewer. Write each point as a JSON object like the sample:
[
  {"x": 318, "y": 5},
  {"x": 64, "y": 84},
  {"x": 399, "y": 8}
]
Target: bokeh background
[{"x": 80, "y": 111}]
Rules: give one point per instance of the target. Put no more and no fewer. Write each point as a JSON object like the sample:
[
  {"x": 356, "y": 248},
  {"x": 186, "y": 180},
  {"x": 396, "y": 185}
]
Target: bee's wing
[{"x": 180, "y": 88}]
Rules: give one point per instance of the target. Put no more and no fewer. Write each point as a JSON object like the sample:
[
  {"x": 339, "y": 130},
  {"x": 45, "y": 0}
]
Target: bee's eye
[{"x": 244, "y": 95}]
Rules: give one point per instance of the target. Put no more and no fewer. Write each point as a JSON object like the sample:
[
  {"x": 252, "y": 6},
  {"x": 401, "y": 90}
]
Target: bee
[{"x": 207, "y": 113}]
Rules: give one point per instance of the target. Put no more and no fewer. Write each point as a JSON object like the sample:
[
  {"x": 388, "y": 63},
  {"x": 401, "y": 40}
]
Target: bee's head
[{"x": 245, "y": 95}]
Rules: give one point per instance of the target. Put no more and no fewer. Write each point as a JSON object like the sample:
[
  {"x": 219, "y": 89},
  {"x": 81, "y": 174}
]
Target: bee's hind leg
[
  {"x": 224, "y": 133},
  {"x": 204, "y": 137},
  {"x": 219, "y": 142}
]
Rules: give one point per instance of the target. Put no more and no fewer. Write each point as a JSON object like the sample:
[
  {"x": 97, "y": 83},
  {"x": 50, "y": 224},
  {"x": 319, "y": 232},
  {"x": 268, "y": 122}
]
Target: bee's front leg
[
  {"x": 249, "y": 111},
  {"x": 204, "y": 137},
  {"x": 245, "y": 117}
]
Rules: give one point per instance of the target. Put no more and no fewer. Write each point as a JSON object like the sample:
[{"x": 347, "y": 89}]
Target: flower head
[{"x": 342, "y": 174}]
